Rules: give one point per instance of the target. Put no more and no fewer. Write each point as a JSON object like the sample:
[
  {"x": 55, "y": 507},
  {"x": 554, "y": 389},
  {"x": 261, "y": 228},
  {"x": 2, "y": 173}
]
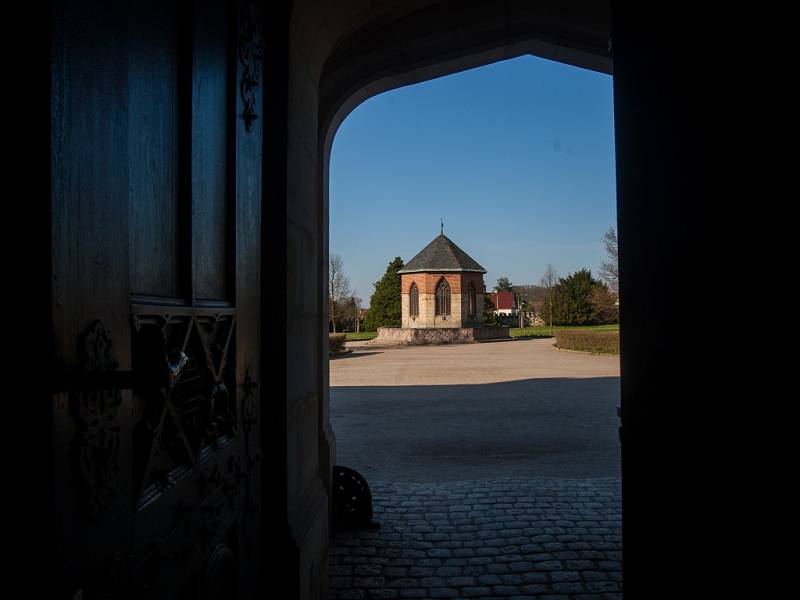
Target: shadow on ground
[
  {"x": 548, "y": 427},
  {"x": 353, "y": 354}
]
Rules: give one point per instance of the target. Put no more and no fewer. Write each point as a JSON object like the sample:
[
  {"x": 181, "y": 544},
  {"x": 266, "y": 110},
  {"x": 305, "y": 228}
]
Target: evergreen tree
[
  {"x": 384, "y": 305},
  {"x": 573, "y": 299},
  {"x": 489, "y": 318},
  {"x": 503, "y": 285}
]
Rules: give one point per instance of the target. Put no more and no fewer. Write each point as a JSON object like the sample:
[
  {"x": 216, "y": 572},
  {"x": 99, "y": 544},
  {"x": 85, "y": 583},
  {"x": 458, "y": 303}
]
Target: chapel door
[{"x": 157, "y": 144}]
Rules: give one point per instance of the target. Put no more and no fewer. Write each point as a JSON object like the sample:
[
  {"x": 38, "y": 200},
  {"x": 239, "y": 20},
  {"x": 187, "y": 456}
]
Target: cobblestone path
[{"x": 549, "y": 539}]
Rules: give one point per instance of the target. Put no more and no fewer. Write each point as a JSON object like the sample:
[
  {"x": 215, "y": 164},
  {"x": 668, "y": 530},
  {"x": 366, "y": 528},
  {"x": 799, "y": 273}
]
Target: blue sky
[{"x": 517, "y": 157}]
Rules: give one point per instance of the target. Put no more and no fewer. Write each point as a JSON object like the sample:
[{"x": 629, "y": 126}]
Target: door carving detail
[
  {"x": 251, "y": 53},
  {"x": 99, "y": 440}
]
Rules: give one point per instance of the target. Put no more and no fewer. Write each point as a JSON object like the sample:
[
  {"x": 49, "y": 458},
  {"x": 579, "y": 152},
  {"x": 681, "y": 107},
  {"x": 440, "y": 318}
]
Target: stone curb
[{"x": 584, "y": 352}]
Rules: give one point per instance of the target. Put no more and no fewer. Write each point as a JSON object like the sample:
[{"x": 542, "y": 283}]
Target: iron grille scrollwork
[{"x": 187, "y": 413}]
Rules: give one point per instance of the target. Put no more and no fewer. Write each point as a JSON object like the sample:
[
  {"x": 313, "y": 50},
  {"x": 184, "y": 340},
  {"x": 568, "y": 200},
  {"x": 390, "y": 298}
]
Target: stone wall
[
  {"x": 490, "y": 333},
  {"x": 439, "y": 335}
]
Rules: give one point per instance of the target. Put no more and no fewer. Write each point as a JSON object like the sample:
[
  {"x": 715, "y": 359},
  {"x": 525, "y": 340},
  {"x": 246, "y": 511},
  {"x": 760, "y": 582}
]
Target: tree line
[{"x": 577, "y": 299}]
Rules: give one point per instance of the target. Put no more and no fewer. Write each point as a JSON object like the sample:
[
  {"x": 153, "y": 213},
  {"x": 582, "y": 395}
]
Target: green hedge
[
  {"x": 336, "y": 341},
  {"x": 596, "y": 342}
]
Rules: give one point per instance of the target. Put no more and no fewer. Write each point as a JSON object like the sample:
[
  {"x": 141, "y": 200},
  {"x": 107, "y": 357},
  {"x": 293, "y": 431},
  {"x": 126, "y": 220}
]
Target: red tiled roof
[{"x": 503, "y": 300}]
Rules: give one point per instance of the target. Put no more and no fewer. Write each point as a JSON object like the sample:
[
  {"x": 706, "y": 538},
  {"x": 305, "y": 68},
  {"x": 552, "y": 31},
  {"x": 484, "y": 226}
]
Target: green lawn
[
  {"x": 364, "y": 335},
  {"x": 544, "y": 330}
]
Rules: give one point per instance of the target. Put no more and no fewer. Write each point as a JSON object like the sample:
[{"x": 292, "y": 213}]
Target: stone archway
[{"x": 370, "y": 51}]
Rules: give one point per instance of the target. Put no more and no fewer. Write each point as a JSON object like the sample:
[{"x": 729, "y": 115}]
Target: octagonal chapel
[{"x": 442, "y": 287}]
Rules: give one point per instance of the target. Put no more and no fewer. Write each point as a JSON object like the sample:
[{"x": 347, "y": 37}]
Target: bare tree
[
  {"x": 548, "y": 282},
  {"x": 338, "y": 288},
  {"x": 357, "y": 310},
  {"x": 609, "y": 269}
]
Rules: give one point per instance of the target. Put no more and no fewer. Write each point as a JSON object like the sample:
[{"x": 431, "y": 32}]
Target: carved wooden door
[{"x": 157, "y": 147}]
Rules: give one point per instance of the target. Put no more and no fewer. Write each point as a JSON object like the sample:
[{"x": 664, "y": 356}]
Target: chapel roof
[{"x": 442, "y": 255}]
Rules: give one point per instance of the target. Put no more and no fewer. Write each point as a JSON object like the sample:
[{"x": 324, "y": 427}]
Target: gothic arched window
[
  {"x": 413, "y": 301},
  {"x": 471, "y": 306},
  {"x": 442, "y": 298}
]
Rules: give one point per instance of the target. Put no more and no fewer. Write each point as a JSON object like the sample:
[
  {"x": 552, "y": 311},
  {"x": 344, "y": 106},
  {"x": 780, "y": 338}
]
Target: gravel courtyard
[
  {"x": 475, "y": 411},
  {"x": 494, "y": 469}
]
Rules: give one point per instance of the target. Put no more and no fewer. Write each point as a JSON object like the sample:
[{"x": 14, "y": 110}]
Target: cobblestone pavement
[{"x": 550, "y": 539}]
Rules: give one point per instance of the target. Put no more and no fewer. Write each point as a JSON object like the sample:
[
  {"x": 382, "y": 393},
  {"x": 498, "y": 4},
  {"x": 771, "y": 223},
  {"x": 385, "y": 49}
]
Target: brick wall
[{"x": 426, "y": 283}]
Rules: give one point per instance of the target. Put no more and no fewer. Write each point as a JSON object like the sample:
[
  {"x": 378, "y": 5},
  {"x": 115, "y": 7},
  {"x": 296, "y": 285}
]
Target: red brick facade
[
  {"x": 427, "y": 282},
  {"x": 459, "y": 315}
]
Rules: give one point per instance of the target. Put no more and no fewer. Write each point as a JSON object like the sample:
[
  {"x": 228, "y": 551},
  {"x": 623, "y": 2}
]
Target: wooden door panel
[
  {"x": 156, "y": 258},
  {"x": 153, "y": 149},
  {"x": 211, "y": 118}
]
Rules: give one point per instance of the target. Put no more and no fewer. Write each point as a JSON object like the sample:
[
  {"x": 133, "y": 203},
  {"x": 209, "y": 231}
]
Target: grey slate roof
[{"x": 442, "y": 255}]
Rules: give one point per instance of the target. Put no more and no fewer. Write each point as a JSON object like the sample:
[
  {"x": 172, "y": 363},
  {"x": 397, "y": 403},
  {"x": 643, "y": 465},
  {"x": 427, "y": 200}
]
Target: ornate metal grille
[{"x": 190, "y": 413}]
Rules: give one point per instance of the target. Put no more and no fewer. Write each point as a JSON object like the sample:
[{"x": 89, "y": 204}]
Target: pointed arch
[
  {"x": 413, "y": 300},
  {"x": 442, "y": 298}
]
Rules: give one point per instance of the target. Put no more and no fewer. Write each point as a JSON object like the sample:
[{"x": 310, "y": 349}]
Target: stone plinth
[{"x": 430, "y": 335}]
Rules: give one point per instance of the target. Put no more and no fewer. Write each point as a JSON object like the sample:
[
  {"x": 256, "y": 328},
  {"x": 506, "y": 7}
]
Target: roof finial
[{"x": 441, "y": 232}]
